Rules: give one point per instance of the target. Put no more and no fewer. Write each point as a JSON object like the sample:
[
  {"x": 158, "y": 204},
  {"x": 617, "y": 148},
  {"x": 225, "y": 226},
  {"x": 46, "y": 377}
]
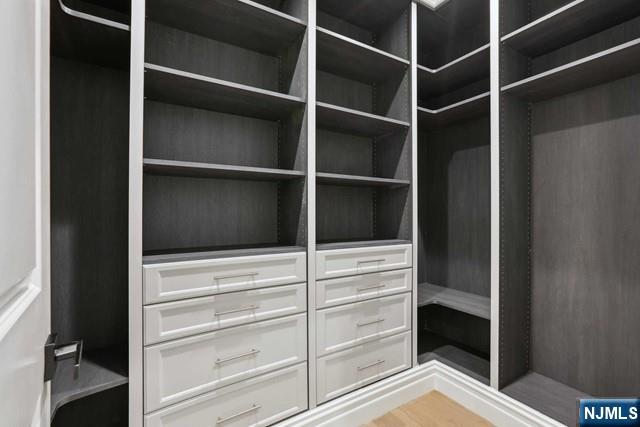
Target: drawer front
[
  {"x": 184, "y": 368},
  {"x": 352, "y": 261},
  {"x": 342, "y": 327},
  {"x": 348, "y": 370},
  {"x": 260, "y": 401},
  {"x": 180, "y": 280},
  {"x": 363, "y": 287},
  {"x": 179, "y": 319}
]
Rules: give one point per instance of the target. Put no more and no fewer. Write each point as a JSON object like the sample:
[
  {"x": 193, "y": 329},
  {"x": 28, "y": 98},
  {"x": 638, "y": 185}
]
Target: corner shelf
[
  {"x": 546, "y": 395},
  {"x": 466, "y": 109},
  {"x": 241, "y": 22},
  {"x": 454, "y": 299},
  {"x": 356, "y": 122},
  {"x": 466, "y": 69},
  {"x": 99, "y": 371},
  {"x": 354, "y": 180},
  {"x": 223, "y": 253},
  {"x": 210, "y": 170},
  {"x": 465, "y": 362},
  {"x": 570, "y": 23},
  {"x": 611, "y": 64},
  {"x": 368, "y": 14},
  {"x": 341, "y": 55},
  {"x": 327, "y": 246},
  {"x": 192, "y": 90},
  {"x": 88, "y": 38}
]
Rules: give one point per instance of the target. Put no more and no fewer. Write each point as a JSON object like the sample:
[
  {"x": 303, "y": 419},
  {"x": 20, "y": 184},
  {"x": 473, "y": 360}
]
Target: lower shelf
[
  {"x": 548, "y": 396},
  {"x": 99, "y": 371},
  {"x": 465, "y": 302},
  {"x": 222, "y": 252},
  {"x": 326, "y": 246}
]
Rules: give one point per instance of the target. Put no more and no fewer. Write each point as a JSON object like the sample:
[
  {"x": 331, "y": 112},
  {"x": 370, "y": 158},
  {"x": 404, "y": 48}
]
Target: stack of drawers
[
  {"x": 225, "y": 340},
  {"x": 363, "y": 321}
]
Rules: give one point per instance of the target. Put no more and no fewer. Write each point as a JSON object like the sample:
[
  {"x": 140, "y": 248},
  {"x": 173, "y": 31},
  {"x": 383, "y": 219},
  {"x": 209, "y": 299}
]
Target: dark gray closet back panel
[
  {"x": 392, "y": 98},
  {"x": 177, "y": 49},
  {"x": 586, "y": 239},
  {"x": 297, "y": 8},
  {"x": 517, "y": 13},
  {"x": 467, "y": 331},
  {"x": 343, "y": 153},
  {"x": 344, "y": 92},
  {"x": 454, "y": 207},
  {"x": 345, "y": 28},
  {"x": 293, "y": 68},
  {"x": 451, "y": 97},
  {"x": 190, "y": 213},
  {"x": 89, "y": 210},
  {"x": 514, "y": 319},
  {"x": 396, "y": 37},
  {"x": 292, "y": 141},
  {"x": 392, "y": 155},
  {"x": 393, "y": 213},
  {"x": 292, "y": 225},
  {"x": 344, "y": 213},
  {"x": 180, "y": 133}
]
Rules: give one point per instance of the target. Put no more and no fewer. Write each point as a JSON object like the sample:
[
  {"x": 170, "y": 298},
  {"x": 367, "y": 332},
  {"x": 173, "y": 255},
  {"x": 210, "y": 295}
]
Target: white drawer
[
  {"x": 188, "y": 279},
  {"x": 352, "y": 261},
  {"x": 342, "y": 372},
  {"x": 178, "y": 319},
  {"x": 342, "y": 327},
  {"x": 260, "y": 401},
  {"x": 358, "y": 288},
  {"x": 184, "y": 368}
]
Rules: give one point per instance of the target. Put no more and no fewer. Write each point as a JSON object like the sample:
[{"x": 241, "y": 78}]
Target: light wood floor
[{"x": 431, "y": 410}]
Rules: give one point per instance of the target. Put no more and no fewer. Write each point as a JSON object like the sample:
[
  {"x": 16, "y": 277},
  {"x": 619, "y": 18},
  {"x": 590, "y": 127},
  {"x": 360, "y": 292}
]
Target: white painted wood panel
[
  {"x": 257, "y": 402},
  {"x": 171, "y": 320},
  {"x": 342, "y": 372},
  {"x": 345, "y": 326},
  {"x": 351, "y": 289},
  {"x": 352, "y": 261},
  {"x": 188, "y": 279},
  {"x": 184, "y": 368}
]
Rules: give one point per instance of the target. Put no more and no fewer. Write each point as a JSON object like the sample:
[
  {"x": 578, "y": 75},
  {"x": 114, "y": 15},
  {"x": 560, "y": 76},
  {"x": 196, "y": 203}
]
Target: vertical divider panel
[
  {"x": 136, "y": 125},
  {"x": 414, "y": 178},
  {"x": 311, "y": 200}
]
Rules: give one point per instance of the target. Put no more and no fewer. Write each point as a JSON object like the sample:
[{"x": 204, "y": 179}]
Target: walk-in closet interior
[
  {"x": 454, "y": 289},
  {"x": 261, "y": 206},
  {"x": 570, "y": 202}
]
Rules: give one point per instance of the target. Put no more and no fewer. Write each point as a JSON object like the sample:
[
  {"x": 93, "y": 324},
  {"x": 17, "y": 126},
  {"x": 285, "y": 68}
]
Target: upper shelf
[
  {"x": 355, "y": 180},
  {"x": 223, "y": 253},
  {"x": 464, "y": 302},
  {"x": 349, "y": 58},
  {"x": 570, "y": 23},
  {"x": 356, "y": 122},
  {"x": 240, "y": 22},
  {"x": 180, "y": 87},
  {"x": 466, "y": 109},
  {"x": 210, "y": 170},
  {"x": 78, "y": 33},
  {"x": 371, "y": 15},
  {"x": 467, "y": 69},
  {"x": 608, "y": 65}
]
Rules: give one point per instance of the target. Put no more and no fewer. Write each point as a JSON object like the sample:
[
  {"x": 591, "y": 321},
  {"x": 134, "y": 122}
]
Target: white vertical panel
[
  {"x": 495, "y": 188},
  {"x": 414, "y": 176},
  {"x": 136, "y": 116},
  {"x": 311, "y": 201}
]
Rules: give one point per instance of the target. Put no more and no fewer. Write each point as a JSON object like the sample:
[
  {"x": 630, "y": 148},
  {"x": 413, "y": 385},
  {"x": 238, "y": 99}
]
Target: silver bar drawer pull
[
  {"x": 371, "y": 365},
  {"x": 238, "y": 310},
  {"x": 366, "y": 288},
  {"x": 367, "y": 261},
  {"x": 372, "y": 322},
  {"x": 235, "y": 276},
  {"x": 236, "y": 357},
  {"x": 253, "y": 408}
]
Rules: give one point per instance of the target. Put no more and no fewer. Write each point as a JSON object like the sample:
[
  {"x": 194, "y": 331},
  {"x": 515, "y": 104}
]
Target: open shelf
[
  {"x": 548, "y": 396},
  {"x": 464, "y": 70},
  {"x": 210, "y": 170},
  {"x": 192, "y": 90},
  {"x": 350, "y": 58},
  {"x": 326, "y": 246},
  {"x": 356, "y": 122},
  {"x": 220, "y": 253},
  {"x": 99, "y": 371},
  {"x": 611, "y": 64},
  {"x": 569, "y": 23},
  {"x": 465, "y": 302},
  {"x": 467, "y": 109},
  {"x": 242, "y": 22},
  {"x": 79, "y": 35},
  {"x": 353, "y": 180}
]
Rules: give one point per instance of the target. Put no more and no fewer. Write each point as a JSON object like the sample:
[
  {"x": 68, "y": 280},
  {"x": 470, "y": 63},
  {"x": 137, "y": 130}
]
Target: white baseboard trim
[{"x": 368, "y": 403}]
